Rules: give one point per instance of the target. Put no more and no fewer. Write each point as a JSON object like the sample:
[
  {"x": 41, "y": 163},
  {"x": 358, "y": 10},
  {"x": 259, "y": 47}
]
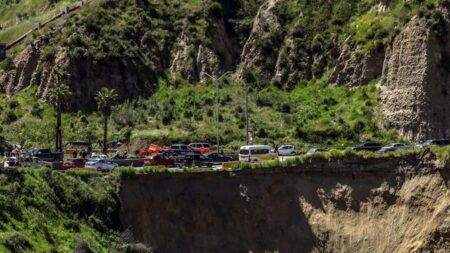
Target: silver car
[
  {"x": 393, "y": 147},
  {"x": 101, "y": 164}
]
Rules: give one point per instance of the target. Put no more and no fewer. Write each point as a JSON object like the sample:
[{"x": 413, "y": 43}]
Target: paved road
[{"x": 216, "y": 167}]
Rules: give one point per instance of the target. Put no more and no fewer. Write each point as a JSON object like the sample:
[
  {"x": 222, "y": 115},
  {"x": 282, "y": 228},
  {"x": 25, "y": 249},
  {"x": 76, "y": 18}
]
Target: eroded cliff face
[
  {"x": 383, "y": 205},
  {"x": 34, "y": 67},
  {"x": 261, "y": 48},
  {"x": 415, "y": 86},
  {"x": 354, "y": 68},
  {"x": 194, "y": 60}
]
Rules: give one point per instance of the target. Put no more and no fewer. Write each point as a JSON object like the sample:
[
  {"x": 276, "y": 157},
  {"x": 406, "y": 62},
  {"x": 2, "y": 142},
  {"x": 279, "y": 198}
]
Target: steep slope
[
  {"x": 343, "y": 205},
  {"x": 416, "y": 81},
  {"x": 139, "y": 47}
]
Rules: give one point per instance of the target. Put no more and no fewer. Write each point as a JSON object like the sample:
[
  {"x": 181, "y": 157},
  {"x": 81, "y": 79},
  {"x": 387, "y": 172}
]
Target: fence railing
[{"x": 65, "y": 11}]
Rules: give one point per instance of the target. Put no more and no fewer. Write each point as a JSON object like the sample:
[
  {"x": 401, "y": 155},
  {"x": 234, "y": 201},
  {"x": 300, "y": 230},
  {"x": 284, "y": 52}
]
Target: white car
[
  {"x": 101, "y": 164},
  {"x": 11, "y": 162},
  {"x": 287, "y": 150}
]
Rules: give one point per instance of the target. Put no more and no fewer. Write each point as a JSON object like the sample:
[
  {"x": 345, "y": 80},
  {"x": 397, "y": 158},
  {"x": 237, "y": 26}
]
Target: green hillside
[{"x": 141, "y": 36}]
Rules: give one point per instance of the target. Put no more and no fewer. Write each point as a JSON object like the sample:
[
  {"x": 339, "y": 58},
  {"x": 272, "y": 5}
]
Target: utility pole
[
  {"x": 246, "y": 113},
  {"x": 216, "y": 83}
]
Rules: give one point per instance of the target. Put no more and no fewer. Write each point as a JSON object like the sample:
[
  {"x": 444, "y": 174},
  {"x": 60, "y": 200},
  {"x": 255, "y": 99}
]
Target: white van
[{"x": 257, "y": 153}]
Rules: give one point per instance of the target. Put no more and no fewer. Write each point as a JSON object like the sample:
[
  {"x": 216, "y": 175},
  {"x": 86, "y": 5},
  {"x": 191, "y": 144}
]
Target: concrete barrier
[{"x": 138, "y": 162}]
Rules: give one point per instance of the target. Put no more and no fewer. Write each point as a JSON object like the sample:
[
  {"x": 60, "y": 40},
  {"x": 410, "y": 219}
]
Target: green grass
[
  {"x": 20, "y": 17},
  {"x": 310, "y": 115}
]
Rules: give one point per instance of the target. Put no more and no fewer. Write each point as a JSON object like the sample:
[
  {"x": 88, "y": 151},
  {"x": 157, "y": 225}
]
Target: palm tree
[
  {"x": 58, "y": 96},
  {"x": 105, "y": 99}
]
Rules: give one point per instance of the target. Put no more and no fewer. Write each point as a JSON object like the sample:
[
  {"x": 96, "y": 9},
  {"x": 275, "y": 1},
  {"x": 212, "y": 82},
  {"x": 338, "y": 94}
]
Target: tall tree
[
  {"x": 58, "y": 96},
  {"x": 105, "y": 99}
]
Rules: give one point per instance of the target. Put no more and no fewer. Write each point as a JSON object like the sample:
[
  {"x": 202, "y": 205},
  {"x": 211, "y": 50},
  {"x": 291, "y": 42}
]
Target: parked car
[
  {"x": 46, "y": 155},
  {"x": 257, "y": 153},
  {"x": 368, "y": 146},
  {"x": 287, "y": 150},
  {"x": 159, "y": 159},
  {"x": 393, "y": 147},
  {"x": 437, "y": 142},
  {"x": 315, "y": 150},
  {"x": 74, "y": 163},
  {"x": 218, "y": 157},
  {"x": 35, "y": 162},
  {"x": 193, "y": 159},
  {"x": 202, "y": 147},
  {"x": 181, "y": 149},
  {"x": 11, "y": 162},
  {"x": 101, "y": 164}
]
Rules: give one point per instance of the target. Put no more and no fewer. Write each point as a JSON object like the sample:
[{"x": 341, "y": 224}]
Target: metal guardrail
[{"x": 65, "y": 11}]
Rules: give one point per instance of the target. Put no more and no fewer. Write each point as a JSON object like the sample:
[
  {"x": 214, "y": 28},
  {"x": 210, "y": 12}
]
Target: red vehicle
[
  {"x": 202, "y": 147},
  {"x": 159, "y": 159},
  {"x": 152, "y": 150},
  {"x": 74, "y": 163}
]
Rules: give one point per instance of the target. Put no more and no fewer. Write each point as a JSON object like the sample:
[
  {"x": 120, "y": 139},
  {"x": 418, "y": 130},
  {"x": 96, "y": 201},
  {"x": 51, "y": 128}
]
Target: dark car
[
  {"x": 437, "y": 142},
  {"x": 46, "y": 155},
  {"x": 193, "y": 159},
  {"x": 368, "y": 146},
  {"x": 181, "y": 149},
  {"x": 218, "y": 157}
]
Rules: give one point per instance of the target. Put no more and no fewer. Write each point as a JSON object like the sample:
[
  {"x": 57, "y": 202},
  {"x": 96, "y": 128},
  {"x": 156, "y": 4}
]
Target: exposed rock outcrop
[
  {"x": 261, "y": 49},
  {"x": 193, "y": 60},
  {"x": 354, "y": 68},
  {"x": 293, "y": 64},
  {"x": 415, "y": 86},
  {"x": 35, "y": 67}
]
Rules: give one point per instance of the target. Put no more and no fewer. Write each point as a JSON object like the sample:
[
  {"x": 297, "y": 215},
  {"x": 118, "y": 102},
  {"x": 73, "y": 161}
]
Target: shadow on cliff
[{"x": 194, "y": 213}]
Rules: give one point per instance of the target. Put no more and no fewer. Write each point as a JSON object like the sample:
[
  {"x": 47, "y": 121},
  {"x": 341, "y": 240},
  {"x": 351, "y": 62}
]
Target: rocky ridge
[
  {"x": 415, "y": 83},
  {"x": 413, "y": 67}
]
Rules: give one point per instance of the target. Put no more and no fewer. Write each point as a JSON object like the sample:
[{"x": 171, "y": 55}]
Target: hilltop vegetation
[{"x": 290, "y": 100}]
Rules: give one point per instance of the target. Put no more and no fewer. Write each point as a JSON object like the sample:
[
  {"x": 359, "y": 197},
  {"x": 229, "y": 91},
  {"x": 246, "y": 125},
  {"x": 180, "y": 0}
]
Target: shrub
[
  {"x": 9, "y": 117},
  {"x": 17, "y": 242},
  {"x": 13, "y": 104}
]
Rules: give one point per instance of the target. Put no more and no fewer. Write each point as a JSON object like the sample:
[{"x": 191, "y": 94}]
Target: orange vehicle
[
  {"x": 151, "y": 150},
  {"x": 202, "y": 147}
]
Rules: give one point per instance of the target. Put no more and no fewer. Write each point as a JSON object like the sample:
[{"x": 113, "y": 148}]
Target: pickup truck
[{"x": 46, "y": 155}]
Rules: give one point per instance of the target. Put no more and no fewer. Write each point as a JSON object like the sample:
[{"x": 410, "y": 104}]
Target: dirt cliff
[
  {"x": 35, "y": 66},
  {"x": 382, "y": 205},
  {"x": 415, "y": 83}
]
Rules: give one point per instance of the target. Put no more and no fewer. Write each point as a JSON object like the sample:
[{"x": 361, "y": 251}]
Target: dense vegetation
[
  {"x": 50, "y": 211},
  {"x": 296, "y": 107}
]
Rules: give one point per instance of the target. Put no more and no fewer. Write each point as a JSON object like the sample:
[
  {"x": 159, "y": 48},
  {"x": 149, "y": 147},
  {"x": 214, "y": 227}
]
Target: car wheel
[
  {"x": 209, "y": 165},
  {"x": 292, "y": 153},
  {"x": 99, "y": 169}
]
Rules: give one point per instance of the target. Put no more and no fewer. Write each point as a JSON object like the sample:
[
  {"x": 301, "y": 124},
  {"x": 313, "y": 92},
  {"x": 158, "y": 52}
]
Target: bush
[
  {"x": 13, "y": 104},
  {"x": 9, "y": 117},
  {"x": 17, "y": 242}
]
